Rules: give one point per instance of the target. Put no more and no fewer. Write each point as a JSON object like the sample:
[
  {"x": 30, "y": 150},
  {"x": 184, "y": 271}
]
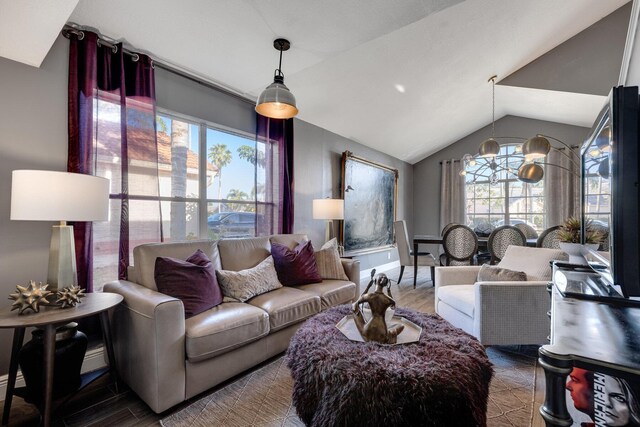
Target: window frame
[
  {"x": 203, "y": 200},
  {"x": 593, "y": 173},
  {"x": 506, "y": 158}
]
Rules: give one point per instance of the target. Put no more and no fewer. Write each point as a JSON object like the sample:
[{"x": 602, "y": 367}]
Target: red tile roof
[{"x": 139, "y": 147}]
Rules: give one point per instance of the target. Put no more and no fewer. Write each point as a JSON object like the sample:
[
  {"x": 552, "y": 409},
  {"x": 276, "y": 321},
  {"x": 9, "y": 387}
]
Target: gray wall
[
  {"x": 181, "y": 95},
  {"x": 318, "y": 171},
  {"x": 33, "y": 135},
  {"x": 588, "y": 62},
  {"x": 426, "y": 173},
  {"x": 317, "y": 153}
]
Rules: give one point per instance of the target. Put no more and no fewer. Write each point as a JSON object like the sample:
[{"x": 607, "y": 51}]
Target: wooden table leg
[
  {"x": 415, "y": 264},
  {"x": 108, "y": 343},
  {"x": 49, "y": 354},
  {"x": 18, "y": 338}
]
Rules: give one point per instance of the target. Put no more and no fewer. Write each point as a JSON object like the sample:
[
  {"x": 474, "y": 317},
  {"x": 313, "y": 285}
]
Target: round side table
[{"x": 48, "y": 319}]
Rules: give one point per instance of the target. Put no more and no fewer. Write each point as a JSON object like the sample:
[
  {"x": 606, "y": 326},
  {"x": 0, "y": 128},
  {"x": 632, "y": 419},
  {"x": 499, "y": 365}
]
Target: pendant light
[
  {"x": 530, "y": 173},
  {"x": 488, "y": 164},
  {"x": 490, "y": 147},
  {"x": 536, "y": 148},
  {"x": 276, "y": 101}
]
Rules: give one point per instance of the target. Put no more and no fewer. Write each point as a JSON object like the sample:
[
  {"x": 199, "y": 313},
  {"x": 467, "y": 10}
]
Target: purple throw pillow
[
  {"x": 297, "y": 266},
  {"x": 193, "y": 281}
]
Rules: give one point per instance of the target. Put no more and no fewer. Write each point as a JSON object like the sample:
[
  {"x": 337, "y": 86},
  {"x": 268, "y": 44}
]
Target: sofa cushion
[
  {"x": 223, "y": 328},
  {"x": 289, "y": 240},
  {"x": 331, "y": 292},
  {"x": 193, "y": 281},
  {"x": 461, "y": 297},
  {"x": 328, "y": 261},
  {"x": 295, "y": 266},
  {"x": 287, "y": 306},
  {"x": 144, "y": 257},
  {"x": 533, "y": 261},
  {"x": 455, "y": 317},
  {"x": 245, "y": 284},
  {"x": 493, "y": 273},
  {"x": 241, "y": 254}
]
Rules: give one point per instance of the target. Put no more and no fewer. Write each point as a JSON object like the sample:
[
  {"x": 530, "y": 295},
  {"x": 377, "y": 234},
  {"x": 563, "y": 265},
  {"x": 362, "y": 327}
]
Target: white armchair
[{"x": 499, "y": 313}]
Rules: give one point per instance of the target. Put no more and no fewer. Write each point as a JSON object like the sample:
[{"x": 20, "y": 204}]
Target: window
[
  {"x": 232, "y": 195},
  {"x": 502, "y": 199},
  {"x": 221, "y": 202},
  {"x": 200, "y": 181},
  {"x": 597, "y": 187}
]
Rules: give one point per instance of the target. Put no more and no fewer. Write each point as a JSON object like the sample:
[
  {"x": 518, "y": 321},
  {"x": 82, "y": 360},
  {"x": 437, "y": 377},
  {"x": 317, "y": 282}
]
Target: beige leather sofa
[{"x": 166, "y": 359}]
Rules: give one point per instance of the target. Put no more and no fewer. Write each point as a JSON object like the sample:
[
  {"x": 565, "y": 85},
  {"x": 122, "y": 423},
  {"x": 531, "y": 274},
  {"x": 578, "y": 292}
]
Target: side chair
[
  {"x": 406, "y": 254},
  {"x": 460, "y": 245},
  {"x": 503, "y": 237}
]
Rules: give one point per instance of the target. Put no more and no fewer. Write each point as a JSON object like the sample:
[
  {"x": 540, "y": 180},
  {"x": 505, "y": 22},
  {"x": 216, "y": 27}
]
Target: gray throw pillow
[
  {"x": 492, "y": 273},
  {"x": 245, "y": 284},
  {"x": 329, "y": 263}
]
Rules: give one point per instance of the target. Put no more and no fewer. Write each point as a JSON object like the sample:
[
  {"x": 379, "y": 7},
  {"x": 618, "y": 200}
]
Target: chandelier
[{"x": 521, "y": 158}]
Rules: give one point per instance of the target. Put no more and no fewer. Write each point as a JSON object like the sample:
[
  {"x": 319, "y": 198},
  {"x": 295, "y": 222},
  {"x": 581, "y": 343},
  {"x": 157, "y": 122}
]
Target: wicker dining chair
[
  {"x": 549, "y": 238},
  {"x": 528, "y": 231},
  {"x": 503, "y": 237},
  {"x": 447, "y": 227},
  {"x": 460, "y": 245}
]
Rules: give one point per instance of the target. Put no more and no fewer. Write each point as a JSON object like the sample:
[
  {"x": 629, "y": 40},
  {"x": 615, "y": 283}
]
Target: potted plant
[{"x": 571, "y": 243}]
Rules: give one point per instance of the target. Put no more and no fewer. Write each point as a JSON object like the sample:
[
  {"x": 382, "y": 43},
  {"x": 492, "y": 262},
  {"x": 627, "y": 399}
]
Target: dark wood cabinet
[{"x": 597, "y": 336}]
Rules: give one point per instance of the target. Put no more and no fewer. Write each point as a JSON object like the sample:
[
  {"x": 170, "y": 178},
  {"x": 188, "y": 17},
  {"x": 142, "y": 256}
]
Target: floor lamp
[
  {"x": 329, "y": 210},
  {"x": 59, "y": 196}
]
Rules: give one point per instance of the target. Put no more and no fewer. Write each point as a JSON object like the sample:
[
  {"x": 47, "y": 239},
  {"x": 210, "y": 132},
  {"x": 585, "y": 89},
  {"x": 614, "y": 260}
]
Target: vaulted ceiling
[{"x": 406, "y": 77}]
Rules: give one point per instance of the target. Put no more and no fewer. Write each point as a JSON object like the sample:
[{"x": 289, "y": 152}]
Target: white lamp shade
[
  {"x": 328, "y": 209},
  {"x": 58, "y": 196}
]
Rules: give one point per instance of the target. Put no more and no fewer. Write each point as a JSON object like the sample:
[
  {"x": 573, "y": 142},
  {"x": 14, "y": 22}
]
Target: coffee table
[
  {"x": 443, "y": 379},
  {"x": 48, "y": 319}
]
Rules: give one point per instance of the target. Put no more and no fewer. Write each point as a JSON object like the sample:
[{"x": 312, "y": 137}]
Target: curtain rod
[
  {"x": 452, "y": 160},
  {"x": 78, "y": 31}
]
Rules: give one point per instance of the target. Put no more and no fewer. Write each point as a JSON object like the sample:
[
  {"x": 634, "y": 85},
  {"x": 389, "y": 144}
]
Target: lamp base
[
  {"x": 328, "y": 230},
  {"x": 62, "y": 258}
]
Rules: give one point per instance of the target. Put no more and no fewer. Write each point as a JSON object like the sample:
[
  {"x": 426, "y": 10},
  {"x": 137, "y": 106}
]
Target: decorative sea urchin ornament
[
  {"x": 69, "y": 297},
  {"x": 30, "y": 297}
]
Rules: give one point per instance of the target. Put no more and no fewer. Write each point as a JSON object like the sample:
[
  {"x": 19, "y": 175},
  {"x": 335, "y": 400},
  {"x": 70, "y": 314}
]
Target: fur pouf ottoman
[{"x": 442, "y": 380}]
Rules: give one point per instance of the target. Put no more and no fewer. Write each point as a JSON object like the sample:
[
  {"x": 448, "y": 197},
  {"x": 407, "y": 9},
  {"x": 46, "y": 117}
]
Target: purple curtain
[
  {"x": 275, "y": 177},
  {"x": 111, "y": 122}
]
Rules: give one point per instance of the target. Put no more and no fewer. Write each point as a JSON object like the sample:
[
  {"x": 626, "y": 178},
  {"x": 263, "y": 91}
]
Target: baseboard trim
[
  {"x": 93, "y": 359},
  {"x": 365, "y": 274}
]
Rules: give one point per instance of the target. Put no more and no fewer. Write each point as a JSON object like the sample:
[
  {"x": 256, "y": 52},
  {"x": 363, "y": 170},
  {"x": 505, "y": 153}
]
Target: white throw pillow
[
  {"x": 535, "y": 262},
  {"x": 329, "y": 263},
  {"x": 245, "y": 284}
]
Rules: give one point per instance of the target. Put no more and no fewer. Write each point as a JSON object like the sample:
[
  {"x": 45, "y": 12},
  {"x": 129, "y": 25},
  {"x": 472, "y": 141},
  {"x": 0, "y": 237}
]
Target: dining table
[{"x": 435, "y": 239}]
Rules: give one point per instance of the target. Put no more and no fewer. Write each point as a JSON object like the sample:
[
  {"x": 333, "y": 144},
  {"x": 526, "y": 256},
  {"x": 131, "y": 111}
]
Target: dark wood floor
[{"x": 100, "y": 405}]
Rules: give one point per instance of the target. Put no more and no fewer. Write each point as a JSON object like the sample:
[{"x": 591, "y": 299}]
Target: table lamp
[
  {"x": 329, "y": 210},
  {"x": 59, "y": 196}
]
